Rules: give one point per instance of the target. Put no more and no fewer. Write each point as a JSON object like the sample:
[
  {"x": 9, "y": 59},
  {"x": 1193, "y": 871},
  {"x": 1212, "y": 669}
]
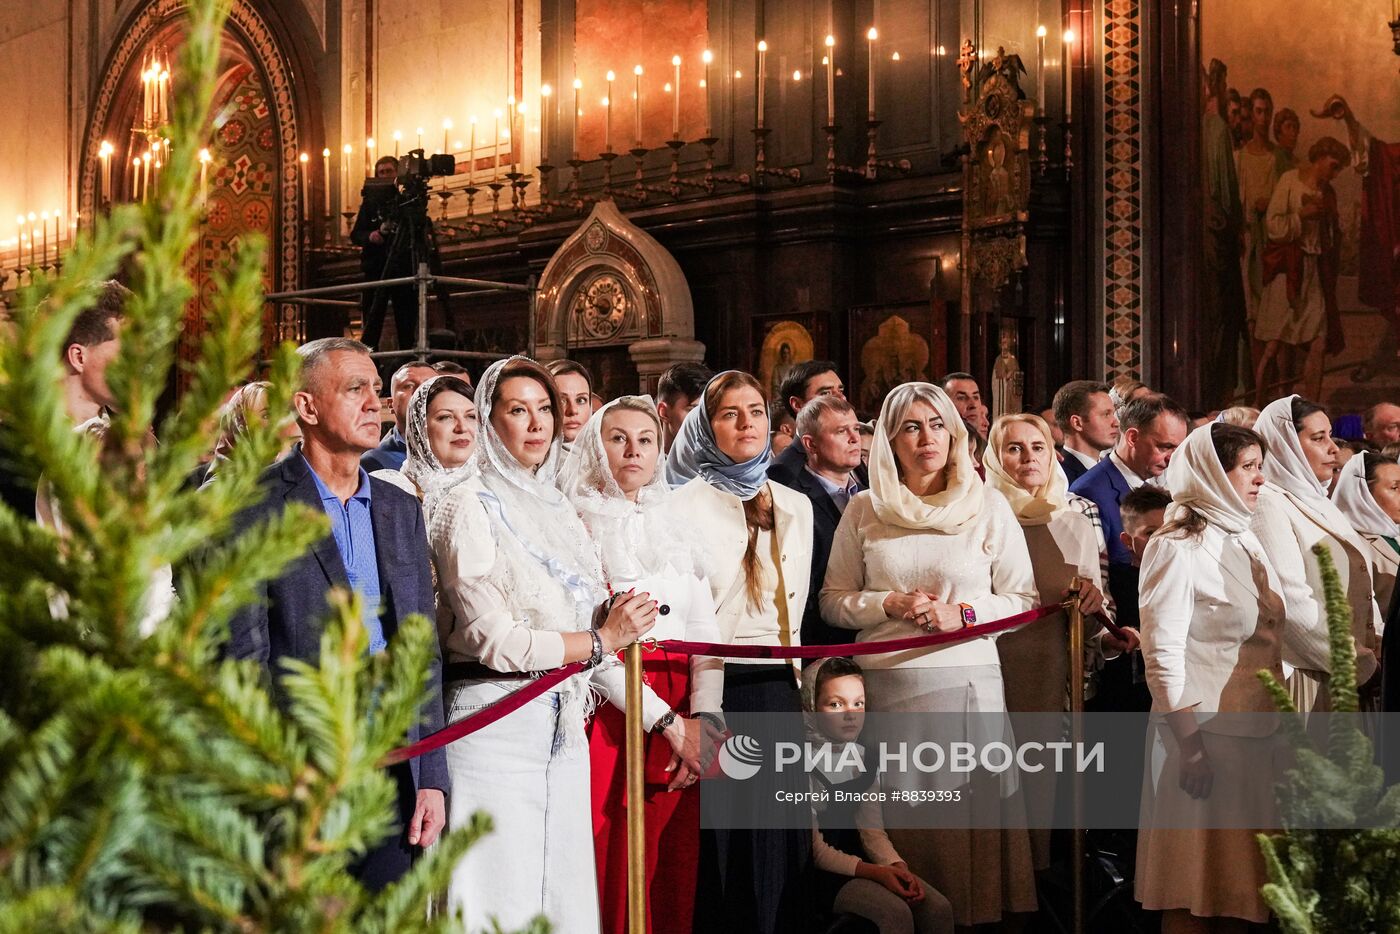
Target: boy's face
[
  {"x": 841, "y": 708},
  {"x": 1137, "y": 530}
]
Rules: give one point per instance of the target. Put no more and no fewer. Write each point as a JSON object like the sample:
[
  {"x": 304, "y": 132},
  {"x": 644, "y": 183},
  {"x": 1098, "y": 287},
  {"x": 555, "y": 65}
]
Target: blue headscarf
[{"x": 695, "y": 453}]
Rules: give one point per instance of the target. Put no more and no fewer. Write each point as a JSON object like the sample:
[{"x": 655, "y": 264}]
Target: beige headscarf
[
  {"x": 1035, "y": 507},
  {"x": 894, "y": 504}
]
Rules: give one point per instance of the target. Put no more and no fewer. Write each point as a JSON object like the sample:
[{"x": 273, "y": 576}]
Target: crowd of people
[{"x": 539, "y": 528}]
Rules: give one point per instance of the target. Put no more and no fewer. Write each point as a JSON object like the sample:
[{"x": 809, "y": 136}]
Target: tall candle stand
[
  {"x": 495, "y": 185},
  {"x": 515, "y": 192},
  {"x": 1069, "y": 147},
  {"x": 873, "y": 163},
  {"x": 574, "y": 165},
  {"x": 444, "y": 195},
  {"x": 546, "y": 173},
  {"x": 1042, "y": 131},
  {"x": 607, "y": 158},
  {"x": 349, "y": 222},
  {"x": 831, "y": 165}
]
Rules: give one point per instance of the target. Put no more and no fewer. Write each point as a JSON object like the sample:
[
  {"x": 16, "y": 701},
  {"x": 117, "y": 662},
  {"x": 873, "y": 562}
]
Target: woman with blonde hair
[
  {"x": 1063, "y": 546},
  {"x": 928, "y": 548},
  {"x": 754, "y": 542}
]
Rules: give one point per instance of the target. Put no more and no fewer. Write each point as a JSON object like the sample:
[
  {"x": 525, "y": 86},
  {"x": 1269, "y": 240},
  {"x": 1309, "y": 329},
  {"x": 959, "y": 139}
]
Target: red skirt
[{"x": 672, "y": 817}]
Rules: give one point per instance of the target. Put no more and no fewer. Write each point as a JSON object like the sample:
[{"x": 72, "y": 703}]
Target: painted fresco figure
[{"x": 1222, "y": 294}]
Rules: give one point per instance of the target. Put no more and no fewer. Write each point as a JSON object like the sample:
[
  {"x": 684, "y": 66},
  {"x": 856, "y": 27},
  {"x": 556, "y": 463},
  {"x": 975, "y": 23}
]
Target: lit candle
[
  {"x": 607, "y": 106},
  {"x": 305, "y": 166},
  {"x": 830, "y": 62},
  {"x": 762, "y": 73},
  {"x": 707, "y": 57},
  {"x": 511, "y": 112},
  {"x": 446, "y": 129},
  {"x": 104, "y": 153},
  {"x": 345, "y": 177},
  {"x": 204, "y": 158},
  {"x": 514, "y": 156},
  {"x": 471, "y": 156},
  {"x": 57, "y": 238},
  {"x": 33, "y": 238},
  {"x": 145, "y": 175},
  {"x": 44, "y": 225},
  {"x": 397, "y": 138},
  {"x": 578, "y": 85},
  {"x": 19, "y": 239},
  {"x": 870, "y": 36},
  {"x": 135, "y": 178},
  {"x": 496, "y": 148},
  {"x": 1040, "y": 69},
  {"x": 1068, "y": 69},
  {"x": 676, "y": 101},
  {"x": 637, "y": 101},
  {"x": 420, "y": 138},
  {"x": 326, "y": 178},
  {"x": 545, "y": 92},
  {"x": 369, "y": 155}
]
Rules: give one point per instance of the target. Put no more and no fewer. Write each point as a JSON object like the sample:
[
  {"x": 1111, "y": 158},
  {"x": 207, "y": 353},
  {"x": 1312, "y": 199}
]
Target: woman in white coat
[
  {"x": 519, "y": 593},
  {"x": 1295, "y": 514},
  {"x": 754, "y": 542},
  {"x": 1368, "y": 494},
  {"x": 929, "y": 548},
  {"x": 612, "y": 478},
  {"x": 1212, "y": 617}
]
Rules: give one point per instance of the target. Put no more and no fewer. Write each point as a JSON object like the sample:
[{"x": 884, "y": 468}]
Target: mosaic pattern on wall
[{"x": 1122, "y": 187}]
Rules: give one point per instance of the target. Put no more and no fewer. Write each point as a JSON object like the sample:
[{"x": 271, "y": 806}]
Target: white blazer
[
  {"x": 1211, "y": 618},
  {"x": 1288, "y": 530},
  {"x": 1385, "y": 567},
  {"x": 714, "y": 520}
]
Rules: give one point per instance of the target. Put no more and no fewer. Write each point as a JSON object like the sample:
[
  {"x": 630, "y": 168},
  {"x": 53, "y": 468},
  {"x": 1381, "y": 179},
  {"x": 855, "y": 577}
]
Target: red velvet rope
[{"x": 518, "y": 699}]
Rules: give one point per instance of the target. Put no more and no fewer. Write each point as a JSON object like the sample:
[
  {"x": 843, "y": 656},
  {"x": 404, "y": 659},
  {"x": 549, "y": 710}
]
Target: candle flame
[
  {"x": 676, "y": 60},
  {"x": 738, "y": 74},
  {"x": 44, "y": 215},
  {"x": 611, "y": 76},
  {"x": 797, "y": 75},
  {"x": 369, "y": 143},
  {"x": 1040, "y": 32},
  {"x": 763, "y": 45},
  {"x": 546, "y": 90},
  {"x": 447, "y": 123},
  {"x": 473, "y": 118},
  {"x": 707, "y": 56},
  {"x": 871, "y": 34},
  {"x": 397, "y": 136},
  {"x": 347, "y": 150},
  {"x": 520, "y": 107},
  {"x": 204, "y": 155},
  {"x": 668, "y": 87},
  {"x": 457, "y": 145},
  {"x": 604, "y": 102},
  {"x": 325, "y": 153},
  {"x": 578, "y": 83},
  {"x": 498, "y": 113},
  {"x": 894, "y": 57},
  {"x": 830, "y": 41},
  {"x": 1069, "y": 37},
  {"x": 637, "y": 70},
  {"x": 106, "y": 148},
  {"x": 825, "y": 60},
  {"x": 304, "y": 158}
]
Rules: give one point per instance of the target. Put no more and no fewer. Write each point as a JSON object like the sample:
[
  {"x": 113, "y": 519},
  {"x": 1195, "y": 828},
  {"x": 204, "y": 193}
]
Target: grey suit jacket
[{"x": 287, "y": 620}]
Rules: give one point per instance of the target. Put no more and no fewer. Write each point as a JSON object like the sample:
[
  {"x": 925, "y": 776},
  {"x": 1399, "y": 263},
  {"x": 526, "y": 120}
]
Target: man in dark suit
[
  {"x": 828, "y": 431},
  {"x": 378, "y": 548},
  {"x": 1153, "y": 427},
  {"x": 1087, "y": 419},
  {"x": 803, "y": 383}
]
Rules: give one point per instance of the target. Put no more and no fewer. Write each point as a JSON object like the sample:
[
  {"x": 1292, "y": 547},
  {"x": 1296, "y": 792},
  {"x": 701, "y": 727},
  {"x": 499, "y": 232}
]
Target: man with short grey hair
[
  {"x": 393, "y": 450},
  {"x": 1382, "y": 424},
  {"x": 829, "y": 433},
  {"x": 378, "y": 548}
]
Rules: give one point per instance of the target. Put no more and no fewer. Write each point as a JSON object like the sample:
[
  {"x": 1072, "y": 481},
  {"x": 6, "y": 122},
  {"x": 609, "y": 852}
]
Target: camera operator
[{"x": 374, "y": 232}]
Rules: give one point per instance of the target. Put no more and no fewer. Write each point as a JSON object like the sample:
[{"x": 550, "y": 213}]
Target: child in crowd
[{"x": 858, "y": 871}]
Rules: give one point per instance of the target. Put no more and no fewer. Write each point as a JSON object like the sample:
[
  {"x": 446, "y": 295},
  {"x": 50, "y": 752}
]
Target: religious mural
[
  {"x": 1300, "y": 161},
  {"x": 889, "y": 345},
  {"x": 787, "y": 343}
]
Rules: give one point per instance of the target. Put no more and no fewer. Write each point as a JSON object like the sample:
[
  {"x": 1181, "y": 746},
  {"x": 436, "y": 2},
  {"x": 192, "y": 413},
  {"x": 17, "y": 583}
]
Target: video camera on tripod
[{"x": 404, "y": 198}]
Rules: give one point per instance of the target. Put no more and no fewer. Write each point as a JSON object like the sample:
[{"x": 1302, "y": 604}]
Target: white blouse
[{"x": 985, "y": 565}]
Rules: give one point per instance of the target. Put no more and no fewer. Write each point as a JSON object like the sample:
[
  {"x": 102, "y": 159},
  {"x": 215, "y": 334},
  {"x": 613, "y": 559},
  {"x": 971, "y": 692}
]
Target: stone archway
[
  {"x": 614, "y": 298},
  {"x": 257, "y": 72}
]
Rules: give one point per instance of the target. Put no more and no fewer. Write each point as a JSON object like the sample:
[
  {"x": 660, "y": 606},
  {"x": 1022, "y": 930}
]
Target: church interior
[{"x": 906, "y": 187}]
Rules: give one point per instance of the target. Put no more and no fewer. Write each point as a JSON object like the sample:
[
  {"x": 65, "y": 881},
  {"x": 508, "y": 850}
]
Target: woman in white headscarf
[
  {"x": 440, "y": 436},
  {"x": 754, "y": 543},
  {"x": 1063, "y": 545},
  {"x": 1295, "y": 514},
  {"x": 612, "y": 477},
  {"x": 520, "y": 592},
  {"x": 929, "y": 548},
  {"x": 1368, "y": 494},
  {"x": 1212, "y": 617}
]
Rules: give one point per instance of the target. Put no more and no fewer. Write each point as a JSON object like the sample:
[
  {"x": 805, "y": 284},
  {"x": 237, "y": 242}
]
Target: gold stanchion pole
[
  {"x": 636, "y": 797},
  {"x": 1076, "y": 713}
]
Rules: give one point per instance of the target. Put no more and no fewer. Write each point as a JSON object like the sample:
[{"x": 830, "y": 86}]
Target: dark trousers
[
  {"x": 404, "y": 298},
  {"x": 757, "y": 880},
  {"x": 386, "y": 863}
]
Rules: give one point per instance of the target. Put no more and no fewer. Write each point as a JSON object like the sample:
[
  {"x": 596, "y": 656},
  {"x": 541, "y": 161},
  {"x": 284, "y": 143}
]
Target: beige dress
[
  {"x": 1035, "y": 658},
  {"x": 1212, "y": 617},
  {"x": 1385, "y": 563}
]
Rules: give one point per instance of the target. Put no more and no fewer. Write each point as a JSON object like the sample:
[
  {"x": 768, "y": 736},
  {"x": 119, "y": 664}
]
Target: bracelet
[
  {"x": 596, "y": 658},
  {"x": 713, "y": 719},
  {"x": 664, "y": 721}
]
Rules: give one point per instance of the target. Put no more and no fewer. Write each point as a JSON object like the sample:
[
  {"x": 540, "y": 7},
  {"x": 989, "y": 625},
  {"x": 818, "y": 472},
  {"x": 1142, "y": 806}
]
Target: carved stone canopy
[{"x": 612, "y": 284}]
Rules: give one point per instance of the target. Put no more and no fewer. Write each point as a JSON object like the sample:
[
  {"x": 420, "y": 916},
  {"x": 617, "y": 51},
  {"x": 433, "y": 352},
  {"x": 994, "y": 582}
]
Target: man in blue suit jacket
[
  {"x": 378, "y": 547},
  {"x": 1153, "y": 427}
]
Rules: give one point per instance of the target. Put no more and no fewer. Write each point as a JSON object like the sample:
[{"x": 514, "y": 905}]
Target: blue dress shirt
[{"x": 354, "y": 538}]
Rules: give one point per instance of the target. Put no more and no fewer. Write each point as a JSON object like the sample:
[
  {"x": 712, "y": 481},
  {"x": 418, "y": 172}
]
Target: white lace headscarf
[
  {"x": 528, "y": 505},
  {"x": 422, "y": 466},
  {"x": 634, "y": 539}
]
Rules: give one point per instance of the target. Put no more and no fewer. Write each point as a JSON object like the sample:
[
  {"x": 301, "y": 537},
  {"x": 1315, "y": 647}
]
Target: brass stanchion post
[
  {"x": 636, "y": 797},
  {"x": 1076, "y": 714}
]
